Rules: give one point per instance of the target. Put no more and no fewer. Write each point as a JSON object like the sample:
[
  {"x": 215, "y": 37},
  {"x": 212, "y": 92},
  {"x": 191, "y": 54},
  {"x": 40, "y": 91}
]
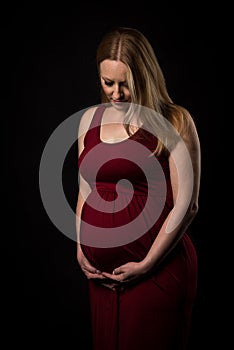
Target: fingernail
[{"x": 97, "y": 271}]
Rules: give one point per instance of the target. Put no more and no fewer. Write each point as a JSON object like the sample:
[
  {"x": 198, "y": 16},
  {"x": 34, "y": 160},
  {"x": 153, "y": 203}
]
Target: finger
[
  {"x": 89, "y": 268},
  {"x": 110, "y": 276},
  {"x": 92, "y": 269},
  {"x": 94, "y": 276},
  {"x": 118, "y": 271},
  {"x": 110, "y": 286}
]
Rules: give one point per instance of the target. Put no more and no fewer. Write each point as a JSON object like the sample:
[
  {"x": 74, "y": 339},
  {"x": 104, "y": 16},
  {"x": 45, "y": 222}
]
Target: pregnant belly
[
  {"x": 107, "y": 259},
  {"x": 106, "y": 238}
]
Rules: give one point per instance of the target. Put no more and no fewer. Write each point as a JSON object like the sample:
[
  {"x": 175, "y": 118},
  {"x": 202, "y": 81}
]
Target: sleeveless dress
[{"x": 130, "y": 198}]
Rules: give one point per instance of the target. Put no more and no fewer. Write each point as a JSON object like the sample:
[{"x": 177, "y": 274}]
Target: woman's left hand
[{"x": 126, "y": 273}]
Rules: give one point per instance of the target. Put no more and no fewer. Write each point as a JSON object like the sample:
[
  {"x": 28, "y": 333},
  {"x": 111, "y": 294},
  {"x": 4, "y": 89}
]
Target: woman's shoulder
[
  {"x": 86, "y": 119},
  {"x": 189, "y": 133}
]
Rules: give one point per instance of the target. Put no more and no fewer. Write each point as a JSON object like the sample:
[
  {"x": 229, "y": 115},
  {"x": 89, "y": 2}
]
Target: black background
[{"x": 49, "y": 65}]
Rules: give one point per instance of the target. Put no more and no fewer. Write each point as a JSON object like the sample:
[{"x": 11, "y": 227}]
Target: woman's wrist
[
  {"x": 147, "y": 264},
  {"x": 80, "y": 254}
]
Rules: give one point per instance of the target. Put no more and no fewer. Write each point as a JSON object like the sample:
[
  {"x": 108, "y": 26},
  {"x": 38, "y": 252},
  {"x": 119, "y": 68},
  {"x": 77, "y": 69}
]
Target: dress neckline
[{"x": 115, "y": 142}]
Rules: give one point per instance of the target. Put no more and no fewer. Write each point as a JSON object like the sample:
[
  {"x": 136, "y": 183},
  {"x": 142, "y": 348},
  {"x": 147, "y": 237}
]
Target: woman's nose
[{"x": 117, "y": 92}]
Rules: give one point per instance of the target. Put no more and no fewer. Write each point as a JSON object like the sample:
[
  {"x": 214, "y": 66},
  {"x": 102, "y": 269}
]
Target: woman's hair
[{"x": 145, "y": 78}]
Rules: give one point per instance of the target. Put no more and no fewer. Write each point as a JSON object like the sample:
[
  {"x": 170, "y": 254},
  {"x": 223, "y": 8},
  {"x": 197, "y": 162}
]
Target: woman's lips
[{"x": 118, "y": 101}]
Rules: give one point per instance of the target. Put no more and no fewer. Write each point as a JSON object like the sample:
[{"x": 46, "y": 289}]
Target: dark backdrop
[{"x": 50, "y": 64}]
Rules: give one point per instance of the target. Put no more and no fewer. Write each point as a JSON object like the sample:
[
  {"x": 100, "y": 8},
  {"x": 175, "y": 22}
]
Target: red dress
[{"x": 120, "y": 220}]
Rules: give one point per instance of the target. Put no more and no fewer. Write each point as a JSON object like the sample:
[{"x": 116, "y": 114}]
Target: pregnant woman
[{"x": 139, "y": 172}]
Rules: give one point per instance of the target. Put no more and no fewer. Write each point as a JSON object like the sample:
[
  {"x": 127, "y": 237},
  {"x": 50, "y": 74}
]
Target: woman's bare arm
[
  {"x": 184, "y": 162},
  {"x": 89, "y": 270},
  {"x": 185, "y": 169}
]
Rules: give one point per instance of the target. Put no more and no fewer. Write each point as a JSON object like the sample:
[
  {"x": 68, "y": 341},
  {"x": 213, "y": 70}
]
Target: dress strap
[
  {"x": 92, "y": 136},
  {"x": 97, "y": 117}
]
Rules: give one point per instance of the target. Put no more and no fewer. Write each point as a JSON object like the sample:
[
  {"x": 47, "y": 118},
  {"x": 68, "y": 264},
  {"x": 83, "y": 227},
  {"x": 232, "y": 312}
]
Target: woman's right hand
[{"x": 91, "y": 272}]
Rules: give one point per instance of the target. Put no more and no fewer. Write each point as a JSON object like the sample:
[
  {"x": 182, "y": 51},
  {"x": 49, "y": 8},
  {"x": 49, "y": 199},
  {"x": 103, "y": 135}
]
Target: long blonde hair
[{"x": 145, "y": 78}]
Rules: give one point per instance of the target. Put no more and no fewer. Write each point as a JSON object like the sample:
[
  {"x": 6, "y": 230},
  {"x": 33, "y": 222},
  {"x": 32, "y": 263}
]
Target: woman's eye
[
  {"x": 108, "y": 83},
  {"x": 111, "y": 83},
  {"x": 125, "y": 85}
]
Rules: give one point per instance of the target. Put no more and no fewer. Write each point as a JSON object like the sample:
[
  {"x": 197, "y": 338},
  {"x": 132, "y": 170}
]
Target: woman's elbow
[{"x": 193, "y": 209}]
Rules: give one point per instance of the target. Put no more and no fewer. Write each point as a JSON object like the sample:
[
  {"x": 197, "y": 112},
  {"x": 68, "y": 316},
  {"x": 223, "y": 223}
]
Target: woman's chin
[{"x": 119, "y": 105}]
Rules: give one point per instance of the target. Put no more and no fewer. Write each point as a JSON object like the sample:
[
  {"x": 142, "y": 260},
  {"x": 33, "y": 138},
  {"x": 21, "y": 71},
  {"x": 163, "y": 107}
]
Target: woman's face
[{"x": 113, "y": 76}]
